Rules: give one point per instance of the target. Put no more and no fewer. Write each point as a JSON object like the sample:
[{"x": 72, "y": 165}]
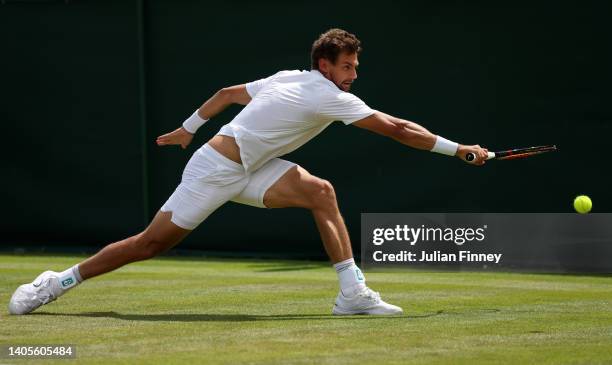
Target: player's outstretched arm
[
  {"x": 417, "y": 136},
  {"x": 216, "y": 104}
]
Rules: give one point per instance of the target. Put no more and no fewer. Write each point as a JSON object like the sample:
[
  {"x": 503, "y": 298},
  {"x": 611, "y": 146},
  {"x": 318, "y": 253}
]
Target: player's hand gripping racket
[{"x": 515, "y": 153}]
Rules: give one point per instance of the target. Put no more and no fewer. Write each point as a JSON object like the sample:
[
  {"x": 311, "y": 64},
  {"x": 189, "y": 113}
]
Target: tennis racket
[{"x": 515, "y": 153}]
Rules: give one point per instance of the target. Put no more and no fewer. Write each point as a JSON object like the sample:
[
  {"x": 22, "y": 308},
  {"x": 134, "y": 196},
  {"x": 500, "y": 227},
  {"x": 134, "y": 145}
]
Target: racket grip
[{"x": 470, "y": 156}]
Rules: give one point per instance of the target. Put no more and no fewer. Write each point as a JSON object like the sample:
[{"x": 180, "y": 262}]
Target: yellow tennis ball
[{"x": 583, "y": 204}]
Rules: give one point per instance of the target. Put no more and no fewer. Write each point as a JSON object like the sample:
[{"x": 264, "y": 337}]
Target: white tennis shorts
[{"x": 211, "y": 179}]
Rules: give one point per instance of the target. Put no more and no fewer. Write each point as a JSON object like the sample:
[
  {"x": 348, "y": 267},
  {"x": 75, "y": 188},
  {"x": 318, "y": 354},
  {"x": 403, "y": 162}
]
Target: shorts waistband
[{"x": 222, "y": 159}]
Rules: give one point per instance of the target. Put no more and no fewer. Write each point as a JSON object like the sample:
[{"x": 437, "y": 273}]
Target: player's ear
[{"x": 323, "y": 65}]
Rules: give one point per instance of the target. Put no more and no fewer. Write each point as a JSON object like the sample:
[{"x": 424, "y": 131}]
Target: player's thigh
[
  {"x": 190, "y": 204},
  {"x": 280, "y": 184},
  {"x": 261, "y": 180},
  {"x": 296, "y": 188}
]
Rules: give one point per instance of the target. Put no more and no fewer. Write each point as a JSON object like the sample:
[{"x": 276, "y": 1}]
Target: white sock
[
  {"x": 70, "y": 278},
  {"x": 351, "y": 278}
]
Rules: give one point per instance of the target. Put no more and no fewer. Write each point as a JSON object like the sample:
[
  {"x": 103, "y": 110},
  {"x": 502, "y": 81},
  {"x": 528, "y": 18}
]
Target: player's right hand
[
  {"x": 481, "y": 154},
  {"x": 178, "y": 136}
]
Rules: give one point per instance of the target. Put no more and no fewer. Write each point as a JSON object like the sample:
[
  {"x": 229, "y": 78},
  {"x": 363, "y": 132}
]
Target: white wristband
[
  {"x": 445, "y": 147},
  {"x": 194, "y": 122}
]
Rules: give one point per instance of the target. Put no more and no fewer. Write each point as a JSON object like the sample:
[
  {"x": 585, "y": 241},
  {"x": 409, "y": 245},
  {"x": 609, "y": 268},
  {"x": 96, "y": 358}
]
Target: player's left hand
[{"x": 178, "y": 136}]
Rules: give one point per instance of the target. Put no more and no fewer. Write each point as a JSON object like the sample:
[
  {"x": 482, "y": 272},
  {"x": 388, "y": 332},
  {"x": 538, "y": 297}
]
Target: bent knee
[
  {"x": 147, "y": 247},
  {"x": 322, "y": 195},
  {"x": 298, "y": 188}
]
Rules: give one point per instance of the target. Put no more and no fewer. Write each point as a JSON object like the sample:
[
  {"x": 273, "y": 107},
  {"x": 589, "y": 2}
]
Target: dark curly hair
[{"x": 331, "y": 43}]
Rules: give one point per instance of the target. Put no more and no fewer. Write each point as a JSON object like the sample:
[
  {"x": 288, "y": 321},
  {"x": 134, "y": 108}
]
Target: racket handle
[{"x": 470, "y": 156}]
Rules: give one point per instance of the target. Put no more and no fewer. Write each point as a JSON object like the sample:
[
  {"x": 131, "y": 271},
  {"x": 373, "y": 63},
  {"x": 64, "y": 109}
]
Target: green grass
[{"x": 177, "y": 311}]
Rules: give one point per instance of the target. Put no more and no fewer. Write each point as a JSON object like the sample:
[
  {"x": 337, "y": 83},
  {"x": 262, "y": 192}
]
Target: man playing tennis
[{"x": 241, "y": 163}]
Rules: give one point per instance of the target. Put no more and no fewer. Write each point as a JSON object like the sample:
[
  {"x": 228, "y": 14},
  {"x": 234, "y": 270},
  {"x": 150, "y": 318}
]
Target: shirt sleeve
[
  {"x": 344, "y": 107},
  {"x": 254, "y": 86}
]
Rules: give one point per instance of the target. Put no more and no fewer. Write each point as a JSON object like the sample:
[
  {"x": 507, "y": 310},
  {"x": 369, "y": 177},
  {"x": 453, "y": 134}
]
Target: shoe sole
[{"x": 339, "y": 312}]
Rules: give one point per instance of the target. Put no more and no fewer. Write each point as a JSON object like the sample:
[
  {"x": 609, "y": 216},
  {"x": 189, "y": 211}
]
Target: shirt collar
[{"x": 319, "y": 74}]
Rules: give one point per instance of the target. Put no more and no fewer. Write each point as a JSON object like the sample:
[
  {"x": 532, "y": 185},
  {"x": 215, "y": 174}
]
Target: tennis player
[{"x": 241, "y": 163}]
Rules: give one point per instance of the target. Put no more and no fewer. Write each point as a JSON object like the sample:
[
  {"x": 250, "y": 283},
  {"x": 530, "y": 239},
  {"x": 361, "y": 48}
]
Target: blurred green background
[{"x": 88, "y": 85}]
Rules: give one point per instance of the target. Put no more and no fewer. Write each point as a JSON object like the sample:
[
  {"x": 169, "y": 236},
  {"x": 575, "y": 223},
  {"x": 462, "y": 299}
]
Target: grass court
[{"x": 191, "y": 310}]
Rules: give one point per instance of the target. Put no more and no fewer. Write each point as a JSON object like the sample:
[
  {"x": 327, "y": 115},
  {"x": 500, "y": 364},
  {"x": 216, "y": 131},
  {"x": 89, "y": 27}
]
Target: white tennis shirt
[{"x": 287, "y": 110}]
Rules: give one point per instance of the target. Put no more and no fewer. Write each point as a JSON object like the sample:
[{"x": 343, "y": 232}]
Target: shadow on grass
[
  {"x": 230, "y": 317},
  {"x": 287, "y": 268}
]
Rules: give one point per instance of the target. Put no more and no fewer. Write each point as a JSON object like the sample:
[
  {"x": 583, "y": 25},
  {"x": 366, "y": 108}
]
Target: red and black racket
[{"x": 515, "y": 153}]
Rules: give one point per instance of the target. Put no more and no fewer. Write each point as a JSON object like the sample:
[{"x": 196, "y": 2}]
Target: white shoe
[
  {"x": 44, "y": 289},
  {"x": 365, "y": 302}
]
